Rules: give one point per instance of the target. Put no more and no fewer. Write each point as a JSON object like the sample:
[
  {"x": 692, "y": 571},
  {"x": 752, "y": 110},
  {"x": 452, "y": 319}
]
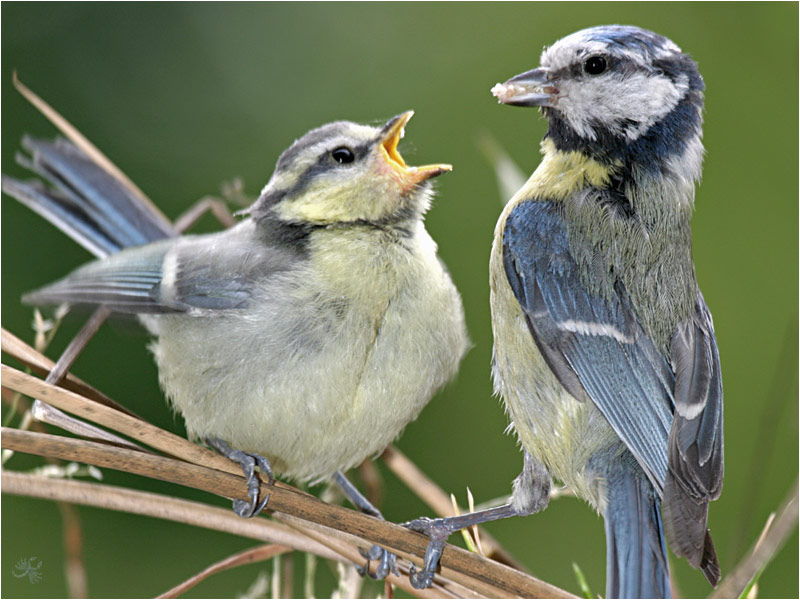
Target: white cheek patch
[{"x": 616, "y": 102}]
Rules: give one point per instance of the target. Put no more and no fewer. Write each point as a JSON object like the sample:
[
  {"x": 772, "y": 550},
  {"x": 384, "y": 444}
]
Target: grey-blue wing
[
  {"x": 593, "y": 343},
  {"x": 695, "y": 442},
  {"x": 128, "y": 281},
  {"x": 208, "y": 272}
]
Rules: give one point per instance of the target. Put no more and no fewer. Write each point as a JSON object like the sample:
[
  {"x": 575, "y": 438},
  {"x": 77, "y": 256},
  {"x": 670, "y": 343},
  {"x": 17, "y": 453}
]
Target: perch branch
[{"x": 457, "y": 563}]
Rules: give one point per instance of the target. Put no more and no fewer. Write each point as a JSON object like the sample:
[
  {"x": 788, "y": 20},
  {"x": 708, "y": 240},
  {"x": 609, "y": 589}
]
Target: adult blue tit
[
  {"x": 604, "y": 349},
  {"x": 311, "y": 332}
]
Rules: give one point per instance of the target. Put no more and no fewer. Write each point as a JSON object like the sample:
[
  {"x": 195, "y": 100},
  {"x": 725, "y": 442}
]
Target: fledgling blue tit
[
  {"x": 604, "y": 349},
  {"x": 311, "y": 332}
]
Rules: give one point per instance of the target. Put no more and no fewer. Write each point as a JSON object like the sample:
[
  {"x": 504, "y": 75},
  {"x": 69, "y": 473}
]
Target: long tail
[
  {"x": 84, "y": 200},
  {"x": 636, "y": 556}
]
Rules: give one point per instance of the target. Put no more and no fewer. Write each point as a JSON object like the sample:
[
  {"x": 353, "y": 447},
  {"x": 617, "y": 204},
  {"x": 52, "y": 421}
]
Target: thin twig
[
  {"x": 45, "y": 413},
  {"x": 77, "y": 344},
  {"x": 208, "y": 204},
  {"x": 150, "y": 504},
  {"x": 768, "y": 545},
  {"x": 258, "y": 554},
  {"x": 287, "y": 576},
  {"x": 41, "y": 365},
  {"x": 75, "y": 569}
]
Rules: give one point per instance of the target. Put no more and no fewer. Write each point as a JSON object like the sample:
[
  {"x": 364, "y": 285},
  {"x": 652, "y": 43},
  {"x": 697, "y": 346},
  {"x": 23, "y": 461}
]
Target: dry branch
[
  {"x": 765, "y": 548},
  {"x": 150, "y": 504},
  {"x": 473, "y": 571},
  {"x": 42, "y": 365},
  {"x": 332, "y": 526}
]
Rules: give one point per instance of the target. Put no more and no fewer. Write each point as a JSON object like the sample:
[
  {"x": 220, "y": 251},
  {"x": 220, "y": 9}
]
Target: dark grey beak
[{"x": 532, "y": 88}]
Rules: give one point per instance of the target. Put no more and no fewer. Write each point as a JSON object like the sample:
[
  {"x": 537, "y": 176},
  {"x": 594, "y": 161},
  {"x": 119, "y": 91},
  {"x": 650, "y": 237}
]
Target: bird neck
[
  {"x": 562, "y": 173},
  {"x": 651, "y": 151},
  {"x": 626, "y": 188}
]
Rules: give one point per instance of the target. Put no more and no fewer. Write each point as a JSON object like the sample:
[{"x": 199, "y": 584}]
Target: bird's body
[
  {"x": 311, "y": 332},
  {"x": 324, "y": 341},
  {"x": 563, "y": 432},
  {"x": 604, "y": 350}
]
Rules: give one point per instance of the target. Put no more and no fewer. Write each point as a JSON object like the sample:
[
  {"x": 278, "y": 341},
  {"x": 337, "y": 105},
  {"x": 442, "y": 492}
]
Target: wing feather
[
  {"x": 208, "y": 272},
  {"x": 667, "y": 412},
  {"x": 593, "y": 342}
]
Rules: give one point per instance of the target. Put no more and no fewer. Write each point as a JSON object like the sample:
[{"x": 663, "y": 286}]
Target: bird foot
[
  {"x": 388, "y": 562},
  {"x": 248, "y": 462},
  {"x": 437, "y": 530}
]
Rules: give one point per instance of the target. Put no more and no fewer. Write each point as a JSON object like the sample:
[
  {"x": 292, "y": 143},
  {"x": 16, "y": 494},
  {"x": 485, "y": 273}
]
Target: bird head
[
  {"x": 345, "y": 173},
  {"x": 605, "y": 88}
]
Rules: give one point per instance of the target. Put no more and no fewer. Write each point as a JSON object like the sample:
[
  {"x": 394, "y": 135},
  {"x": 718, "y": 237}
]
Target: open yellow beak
[{"x": 392, "y": 132}]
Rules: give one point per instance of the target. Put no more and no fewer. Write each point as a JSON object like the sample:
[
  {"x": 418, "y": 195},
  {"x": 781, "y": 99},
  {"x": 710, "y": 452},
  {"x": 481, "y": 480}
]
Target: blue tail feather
[
  {"x": 86, "y": 202},
  {"x": 636, "y": 555}
]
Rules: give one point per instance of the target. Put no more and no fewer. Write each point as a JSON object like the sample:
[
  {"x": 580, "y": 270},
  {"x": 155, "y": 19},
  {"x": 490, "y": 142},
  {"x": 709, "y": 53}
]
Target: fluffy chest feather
[{"x": 351, "y": 345}]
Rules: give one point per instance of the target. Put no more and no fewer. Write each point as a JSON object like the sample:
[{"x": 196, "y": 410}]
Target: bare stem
[
  {"x": 246, "y": 557},
  {"x": 765, "y": 548}
]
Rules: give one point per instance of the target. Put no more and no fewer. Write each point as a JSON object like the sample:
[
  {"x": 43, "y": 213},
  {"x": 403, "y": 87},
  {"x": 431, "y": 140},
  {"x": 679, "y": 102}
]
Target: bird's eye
[
  {"x": 594, "y": 65},
  {"x": 343, "y": 155}
]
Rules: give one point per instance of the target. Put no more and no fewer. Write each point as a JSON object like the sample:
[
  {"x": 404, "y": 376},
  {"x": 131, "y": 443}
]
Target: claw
[
  {"x": 438, "y": 530},
  {"x": 387, "y": 559},
  {"x": 420, "y": 579},
  {"x": 388, "y": 562},
  {"x": 374, "y": 553},
  {"x": 247, "y": 510},
  {"x": 247, "y": 461}
]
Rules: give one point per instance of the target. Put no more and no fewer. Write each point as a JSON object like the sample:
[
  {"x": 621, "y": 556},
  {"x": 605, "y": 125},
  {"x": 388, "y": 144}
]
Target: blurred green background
[{"x": 185, "y": 96}]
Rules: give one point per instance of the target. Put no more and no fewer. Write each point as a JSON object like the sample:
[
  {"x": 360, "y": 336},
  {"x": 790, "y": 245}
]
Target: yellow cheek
[
  {"x": 361, "y": 199},
  {"x": 320, "y": 206}
]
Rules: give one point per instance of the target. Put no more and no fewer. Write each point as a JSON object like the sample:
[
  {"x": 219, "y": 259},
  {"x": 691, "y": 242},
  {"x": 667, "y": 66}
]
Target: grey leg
[
  {"x": 248, "y": 463},
  {"x": 531, "y": 494},
  {"x": 387, "y": 559}
]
